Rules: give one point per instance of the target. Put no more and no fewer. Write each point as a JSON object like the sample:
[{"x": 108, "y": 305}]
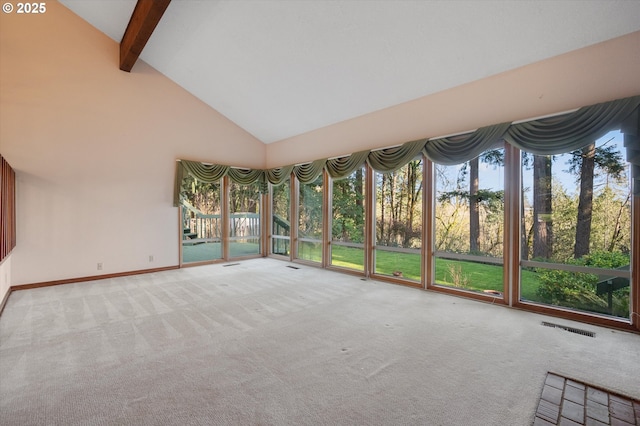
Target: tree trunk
[
  {"x": 380, "y": 238},
  {"x": 585, "y": 203},
  {"x": 617, "y": 233},
  {"x": 542, "y": 208},
  {"x": 391, "y": 233},
  {"x": 358, "y": 185},
  {"x": 524, "y": 243},
  {"x": 412, "y": 196},
  {"x": 474, "y": 207}
]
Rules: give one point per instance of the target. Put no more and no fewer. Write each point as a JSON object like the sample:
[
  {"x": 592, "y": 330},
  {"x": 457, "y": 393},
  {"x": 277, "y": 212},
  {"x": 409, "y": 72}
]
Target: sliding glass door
[
  {"x": 244, "y": 219},
  {"x": 201, "y": 221},
  {"x": 281, "y": 219}
]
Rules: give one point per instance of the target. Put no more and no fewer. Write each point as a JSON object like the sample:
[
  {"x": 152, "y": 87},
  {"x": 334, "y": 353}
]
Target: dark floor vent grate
[
  {"x": 292, "y": 267},
  {"x": 570, "y": 329},
  {"x": 230, "y": 264}
]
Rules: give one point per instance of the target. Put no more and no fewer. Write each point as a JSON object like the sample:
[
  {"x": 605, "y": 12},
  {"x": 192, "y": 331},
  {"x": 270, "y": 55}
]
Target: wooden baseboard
[
  {"x": 583, "y": 317},
  {"x": 89, "y": 278}
]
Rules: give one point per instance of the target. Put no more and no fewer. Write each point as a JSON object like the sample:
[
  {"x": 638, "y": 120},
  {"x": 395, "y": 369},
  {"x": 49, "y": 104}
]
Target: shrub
[{"x": 578, "y": 290}]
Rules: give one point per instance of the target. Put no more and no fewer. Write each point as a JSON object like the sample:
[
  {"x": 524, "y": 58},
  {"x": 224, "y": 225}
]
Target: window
[
  {"x": 528, "y": 222},
  {"x": 347, "y": 225},
  {"x": 398, "y": 228},
  {"x": 281, "y": 219},
  {"x": 469, "y": 217},
  {"x": 201, "y": 221},
  {"x": 310, "y": 221},
  {"x": 576, "y": 223},
  {"x": 244, "y": 219}
]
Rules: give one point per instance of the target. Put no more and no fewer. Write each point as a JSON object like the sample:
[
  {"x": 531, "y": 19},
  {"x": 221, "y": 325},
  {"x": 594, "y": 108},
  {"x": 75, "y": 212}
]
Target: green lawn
[{"x": 478, "y": 276}]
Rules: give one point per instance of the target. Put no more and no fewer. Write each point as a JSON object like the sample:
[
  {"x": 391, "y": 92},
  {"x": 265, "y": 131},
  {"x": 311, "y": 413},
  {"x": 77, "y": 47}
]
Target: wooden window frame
[{"x": 511, "y": 254}]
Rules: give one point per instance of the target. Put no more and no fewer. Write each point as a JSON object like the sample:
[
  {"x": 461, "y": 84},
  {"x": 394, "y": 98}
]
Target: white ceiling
[{"x": 280, "y": 68}]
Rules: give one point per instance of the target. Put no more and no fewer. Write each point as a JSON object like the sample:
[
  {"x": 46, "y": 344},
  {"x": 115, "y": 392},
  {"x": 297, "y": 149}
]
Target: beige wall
[
  {"x": 94, "y": 150},
  {"x": 599, "y": 73}
]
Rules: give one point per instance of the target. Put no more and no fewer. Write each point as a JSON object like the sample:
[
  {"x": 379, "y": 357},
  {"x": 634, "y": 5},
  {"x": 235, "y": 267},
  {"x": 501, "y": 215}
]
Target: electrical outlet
[
  {"x": 100, "y": 266},
  {"x": 150, "y": 258}
]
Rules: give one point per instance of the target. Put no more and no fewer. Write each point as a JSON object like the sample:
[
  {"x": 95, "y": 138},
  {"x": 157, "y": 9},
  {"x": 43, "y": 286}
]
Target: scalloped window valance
[{"x": 545, "y": 136}]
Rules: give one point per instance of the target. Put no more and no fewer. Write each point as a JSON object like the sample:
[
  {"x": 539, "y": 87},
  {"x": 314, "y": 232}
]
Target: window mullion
[{"x": 512, "y": 224}]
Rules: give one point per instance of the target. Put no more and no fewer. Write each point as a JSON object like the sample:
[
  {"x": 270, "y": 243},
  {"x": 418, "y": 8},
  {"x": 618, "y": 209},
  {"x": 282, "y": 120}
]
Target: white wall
[
  {"x": 5, "y": 274},
  {"x": 94, "y": 150}
]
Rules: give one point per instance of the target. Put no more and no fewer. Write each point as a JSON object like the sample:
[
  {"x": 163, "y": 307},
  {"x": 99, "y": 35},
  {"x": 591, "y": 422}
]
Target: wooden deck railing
[{"x": 198, "y": 226}]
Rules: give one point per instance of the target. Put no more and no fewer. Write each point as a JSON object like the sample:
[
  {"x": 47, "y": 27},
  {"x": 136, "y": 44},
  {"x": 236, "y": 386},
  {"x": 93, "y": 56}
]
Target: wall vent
[{"x": 570, "y": 329}]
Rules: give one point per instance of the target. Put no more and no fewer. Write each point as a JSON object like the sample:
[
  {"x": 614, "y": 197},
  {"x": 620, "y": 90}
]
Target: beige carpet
[{"x": 263, "y": 343}]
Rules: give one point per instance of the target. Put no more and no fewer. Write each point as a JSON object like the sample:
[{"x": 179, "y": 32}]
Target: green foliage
[
  {"x": 578, "y": 290},
  {"x": 348, "y": 209},
  {"x": 606, "y": 157},
  {"x": 310, "y": 219},
  {"x": 494, "y": 157},
  {"x": 605, "y": 259},
  {"x": 490, "y": 199},
  {"x": 203, "y": 196},
  {"x": 399, "y": 206},
  {"x": 457, "y": 277},
  {"x": 565, "y": 207},
  {"x": 244, "y": 198}
]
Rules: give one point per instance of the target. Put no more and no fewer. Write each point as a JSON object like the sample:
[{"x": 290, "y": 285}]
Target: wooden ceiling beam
[{"x": 144, "y": 19}]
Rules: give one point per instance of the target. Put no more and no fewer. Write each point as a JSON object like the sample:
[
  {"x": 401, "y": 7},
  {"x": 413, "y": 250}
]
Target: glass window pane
[
  {"x": 281, "y": 221},
  {"x": 399, "y": 265},
  {"x": 399, "y": 222},
  {"x": 244, "y": 219},
  {"x": 201, "y": 221},
  {"x": 469, "y": 232},
  {"x": 347, "y": 207},
  {"x": 310, "y": 250},
  {"x": 310, "y": 221},
  {"x": 576, "y": 219}
]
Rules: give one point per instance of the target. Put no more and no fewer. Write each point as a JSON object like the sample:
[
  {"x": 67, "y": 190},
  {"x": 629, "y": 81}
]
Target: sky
[{"x": 493, "y": 177}]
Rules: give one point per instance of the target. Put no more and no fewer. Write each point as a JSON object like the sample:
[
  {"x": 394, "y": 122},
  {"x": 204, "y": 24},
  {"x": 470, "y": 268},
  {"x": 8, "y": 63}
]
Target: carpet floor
[{"x": 262, "y": 343}]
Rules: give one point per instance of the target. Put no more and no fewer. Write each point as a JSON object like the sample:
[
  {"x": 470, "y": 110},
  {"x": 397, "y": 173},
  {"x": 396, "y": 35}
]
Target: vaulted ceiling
[{"x": 281, "y": 68}]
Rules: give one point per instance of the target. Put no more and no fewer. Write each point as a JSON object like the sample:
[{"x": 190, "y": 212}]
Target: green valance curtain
[
  {"x": 178, "y": 189},
  {"x": 568, "y": 132},
  {"x": 212, "y": 173},
  {"x": 249, "y": 176},
  {"x": 208, "y": 173},
  {"x": 307, "y": 173},
  {"x": 461, "y": 148},
  {"x": 339, "y": 168},
  {"x": 278, "y": 175},
  {"x": 390, "y": 159},
  {"x": 546, "y": 136}
]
